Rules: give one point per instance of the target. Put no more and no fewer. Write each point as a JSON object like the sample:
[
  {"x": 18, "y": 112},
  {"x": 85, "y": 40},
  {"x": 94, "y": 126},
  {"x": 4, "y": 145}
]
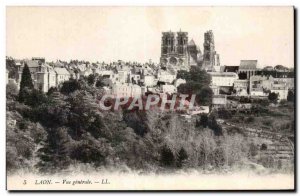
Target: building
[
  {"x": 215, "y": 89},
  {"x": 194, "y": 54},
  {"x": 33, "y": 66},
  {"x": 247, "y": 69},
  {"x": 123, "y": 76},
  {"x": 62, "y": 74},
  {"x": 168, "y": 89},
  {"x": 211, "y": 60},
  {"x": 223, "y": 78},
  {"x": 288, "y": 82},
  {"x": 177, "y": 52},
  {"x": 174, "y": 49},
  {"x": 258, "y": 86},
  {"x": 126, "y": 90},
  {"x": 134, "y": 78},
  {"x": 198, "y": 110},
  {"x": 166, "y": 76},
  {"x": 86, "y": 72},
  {"x": 230, "y": 68},
  {"x": 104, "y": 73},
  {"x": 43, "y": 76},
  {"x": 241, "y": 87},
  {"x": 263, "y": 85},
  {"x": 41, "y": 60},
  {"x": 281, "y": 91},
  {"x": 219, "y": 101},
  {"x": 149, "y": 80}
]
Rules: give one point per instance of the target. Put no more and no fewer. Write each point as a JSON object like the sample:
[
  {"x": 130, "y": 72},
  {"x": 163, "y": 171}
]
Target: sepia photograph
[{"x": 124, "y": 98}]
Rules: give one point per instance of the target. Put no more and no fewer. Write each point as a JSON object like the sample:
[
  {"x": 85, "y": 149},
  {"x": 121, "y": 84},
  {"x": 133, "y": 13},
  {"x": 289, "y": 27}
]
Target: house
[
  {"x": 74, "y": 74},
  {"x": 126, "y": 90},
  {"x": 262, "y": 85},
  {"x": 104, "y": 73},
  {"x": 259, "y": 85},
  {"x": 241, "y": 87},
  {"x": 288, "y": 82},
  {"x": 219, "y": 101},
  {"x": 247, "y": 68},
  {"x": 88, "y": 71},
  {"x": 231, "y": 68},
  {"x": 215, "y": 89},
  {"x": 123, "y": 76},
  {"x": 168, "y": 89},
  {"x": 149, "y": 80},
  {"x": 225, "y": 79},
  {"x": 33, "y": 66},
  {"x": 199, "y": 110},
  {"x": 45, "y": 78},
  {"x": 62, "y": 74},
  {"x": 166, "y": 76},
  {"x": 281, "y": 90}
]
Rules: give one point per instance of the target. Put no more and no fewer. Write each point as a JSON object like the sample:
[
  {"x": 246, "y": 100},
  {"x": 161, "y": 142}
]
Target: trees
[
  {"x": 198, "y": 82},
  {"x": 136, "y": 120},
  {"x": 70, "y": 86},
  {"x": 55, "y": 153},
  {"x": 213, "y": 124},
  {"x": 26, "y": 80},
  {"x": 27, "y": 93},
  {"x": 182, "y": 156},
  {"x": 224, "y": 114},
  {"x": 91, "y": 79},
  {"x": 203, "y": 121},
  {"x": 52, "y": 90},
  {"x": 167, "y": 157},
  {"x": 273, "y": 97},
  {"x": 204, "y": 97},
  {"x": 35, "y": 98},
  {"x": 11, "y": 67},
  {"x": 100, "y": 83},
  {"x": 26, "y": 83},
  {"x": 196, "y": 75},
  {"x": 183, "y": 75},
  {"x": 11, "y": 91},
  {"x": 290, "y": 96}
]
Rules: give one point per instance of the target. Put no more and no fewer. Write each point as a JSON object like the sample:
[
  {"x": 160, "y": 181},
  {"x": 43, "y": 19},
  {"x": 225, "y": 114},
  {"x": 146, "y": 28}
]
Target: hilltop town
[
  {"x": 243, "y": 105},
  {"x": 177, "y": 54}
]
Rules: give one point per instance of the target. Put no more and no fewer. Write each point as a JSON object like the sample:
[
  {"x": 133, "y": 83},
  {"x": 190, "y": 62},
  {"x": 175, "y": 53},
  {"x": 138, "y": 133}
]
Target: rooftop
[
  {"x": 32, "y": 63},
  {"x": 62, "y": 71},
  {"x": 191, "y": 43},
  {"x": 223, "y": 74},
  {"x": 231, "y": 68},
  {"x": 248, "y": 64}
]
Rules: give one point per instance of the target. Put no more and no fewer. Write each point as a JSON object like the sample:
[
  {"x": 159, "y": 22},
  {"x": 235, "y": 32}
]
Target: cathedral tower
[
  {"x": 211, "y": 60},
  {"x": 174, "y": 49}
]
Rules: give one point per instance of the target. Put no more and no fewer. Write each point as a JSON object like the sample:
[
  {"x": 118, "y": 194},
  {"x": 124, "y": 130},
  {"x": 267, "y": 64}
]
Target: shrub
[
  {"x": 167, "y": 157},
  {"x": 70, "y": 86},
  {"x": 273, "y": 97},
  {"x": 182, "y": 156}
]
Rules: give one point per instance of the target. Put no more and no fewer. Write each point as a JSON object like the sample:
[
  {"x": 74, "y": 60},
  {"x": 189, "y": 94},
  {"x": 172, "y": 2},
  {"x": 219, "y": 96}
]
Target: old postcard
[{"x": 150, "y": 98}]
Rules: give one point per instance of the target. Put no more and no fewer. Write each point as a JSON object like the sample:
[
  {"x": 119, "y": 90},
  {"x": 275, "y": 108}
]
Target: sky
[{"x": 108, "y": 34}]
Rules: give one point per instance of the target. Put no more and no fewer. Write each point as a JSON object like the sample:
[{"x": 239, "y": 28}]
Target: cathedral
[{"x": 180, "y": 54}]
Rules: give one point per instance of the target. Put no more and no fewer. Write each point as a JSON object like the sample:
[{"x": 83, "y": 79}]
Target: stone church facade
[{"x": 177, "y": 52}]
